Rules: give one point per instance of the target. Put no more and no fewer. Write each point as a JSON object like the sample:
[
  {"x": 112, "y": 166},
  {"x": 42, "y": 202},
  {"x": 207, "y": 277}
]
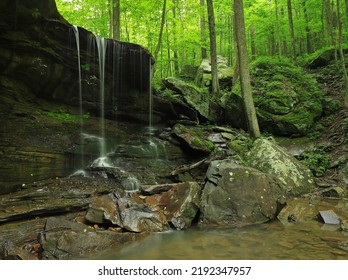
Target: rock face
[
  {"x": 295, "y": 178},
  {"x": 123, "y": 211},
  {"x": 39, "y": 88},
  {"x": 235, "y": 195},
  {"x": 199, "y": 101}
]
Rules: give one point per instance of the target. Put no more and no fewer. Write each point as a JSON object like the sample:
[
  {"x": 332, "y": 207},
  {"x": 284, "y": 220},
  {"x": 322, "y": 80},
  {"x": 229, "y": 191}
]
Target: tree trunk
[
  {"x": 175, "y": 51},
  {"x": 346, "y": 2},
  {"x": 292, "y": 33},
  {"x": 278, "y": 28},
  {"x": 308, "y": 30},
  {"x": 203, "y": 41},
  {"x": 213, "y": 54},
  {"x": 343, "y": 63},
  {"x": 249, "y": 107},
  {"x": 116, "y": 20},
  {"x": 160, "y": 36}
]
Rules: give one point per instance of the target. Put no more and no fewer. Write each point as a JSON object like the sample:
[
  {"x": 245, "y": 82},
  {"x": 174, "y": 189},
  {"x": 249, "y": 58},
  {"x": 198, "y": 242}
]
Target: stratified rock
[
  {"x": 52, "y": 197},
  {"x": 236, "y": 195},
  {"x": 122, "y": 210},
  {"x": 39, "y": 57},
  {"x": 63, "y": 239},
  {"x": 268, "y": 157}
]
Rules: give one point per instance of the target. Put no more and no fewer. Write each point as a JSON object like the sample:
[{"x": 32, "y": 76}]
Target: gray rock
[
  {"x": 268, "y": 157},
  {"x": 120, "y": 209},
  {"x": 237, "y": 195},
  {"x": 329, "y": 217}
]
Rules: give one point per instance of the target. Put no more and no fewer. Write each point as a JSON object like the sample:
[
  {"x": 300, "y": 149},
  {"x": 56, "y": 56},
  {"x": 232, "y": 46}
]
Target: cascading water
[
  {"x": 77, "y": 39},
  {"x": 112, "y": 55},
  {"x": 102, "y": 44}
]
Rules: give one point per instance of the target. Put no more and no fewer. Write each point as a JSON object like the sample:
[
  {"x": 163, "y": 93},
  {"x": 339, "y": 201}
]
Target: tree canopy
[{"x": 291, "y": 28}]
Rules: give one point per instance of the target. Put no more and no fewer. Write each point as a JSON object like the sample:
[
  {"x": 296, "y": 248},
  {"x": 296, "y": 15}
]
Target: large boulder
[
  {"x": 199, "y": 101},
  {"x": 123, "y": 211},
  {"x": 180, "y": 204},
  {"x": 236, "y": 195},
  {"x": 225, "y": 73},
  {"x": 288, "y": 101},
  {"x": 268, "y": 157}
]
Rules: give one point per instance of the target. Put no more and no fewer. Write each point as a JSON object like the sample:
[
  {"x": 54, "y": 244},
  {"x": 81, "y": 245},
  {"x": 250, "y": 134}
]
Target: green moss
[
  {"x": 316, "y": 160},
  {"x": 204, "y": 144},
  {"x": 63, "y": 116}
]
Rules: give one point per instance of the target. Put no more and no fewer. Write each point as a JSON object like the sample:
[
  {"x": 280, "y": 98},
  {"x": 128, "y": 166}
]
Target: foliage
[
  {"x": 267, "y": 26},
  {"x": 316, "y": 160},
  {"x": 63, "y": 116}
]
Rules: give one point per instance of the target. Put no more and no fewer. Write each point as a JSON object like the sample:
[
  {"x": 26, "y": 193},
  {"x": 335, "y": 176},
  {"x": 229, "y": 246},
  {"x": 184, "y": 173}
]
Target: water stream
[{"x": 271, "y": 241}]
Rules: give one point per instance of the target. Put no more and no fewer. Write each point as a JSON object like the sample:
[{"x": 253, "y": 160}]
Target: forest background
[{"x": 177, "y": 31}]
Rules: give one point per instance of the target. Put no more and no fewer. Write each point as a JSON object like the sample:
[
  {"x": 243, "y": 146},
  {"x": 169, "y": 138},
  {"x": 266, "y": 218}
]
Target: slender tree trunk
[
  {"x": 346, "y": 2},
  {"x": 175, "y": 51},
  {"x": 292, "y": 33},
  {"x": 253, "y": 125},
  {"x": 236, "y": 66},
  {"x": 160, "y": 36},
  {"x": 285, "y": 44},
  {"x": 213, "y": 54},
  {"x": 278, "y": 28},
  {"x": 252, "y": 43},
  {"x": 340, "y": 39},
  {"x": 308, "y": 30},
  {"x": 203, "y": 39},
  {"x": 116, "y": 20}
]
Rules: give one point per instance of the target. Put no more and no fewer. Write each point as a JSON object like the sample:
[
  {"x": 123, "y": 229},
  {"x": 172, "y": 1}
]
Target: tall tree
[
  {"x": 213, "y": 53},
  {"x": 340, "y": 39},
  {"x": 249, "y": 107},
  {"x": 292, "y": 33},
  {"x": 160, "y": 36},
  {"x": 116, "y": 20},
  {"x": 202, "y": 22},
  {"x": 278, "y": 28}
]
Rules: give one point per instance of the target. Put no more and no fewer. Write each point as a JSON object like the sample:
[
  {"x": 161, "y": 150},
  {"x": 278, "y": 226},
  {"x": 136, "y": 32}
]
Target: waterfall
[
  {"x": 150, "y": 98},
  {"x": 102, "y": 44},
  {"x": 77, "y": 38}
]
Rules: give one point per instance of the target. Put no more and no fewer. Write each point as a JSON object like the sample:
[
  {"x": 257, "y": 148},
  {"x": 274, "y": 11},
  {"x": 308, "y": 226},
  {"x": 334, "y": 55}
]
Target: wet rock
[
  {"x": 337, "y": 192},
  {"x": 268, "y": 157},
  {"x": 329, "y": 217},
  {"x": 155, "y": 189},
  {"x": 306, "y": 209},
  {"x": 122, "y": 210},
  {"x": 9, "y": 251},
  {"x": 237, "y": 195},
  {"x": 180, "y": 204},
  {"x": 63, "y": 239},
  {"x": 52, "y": 197}
]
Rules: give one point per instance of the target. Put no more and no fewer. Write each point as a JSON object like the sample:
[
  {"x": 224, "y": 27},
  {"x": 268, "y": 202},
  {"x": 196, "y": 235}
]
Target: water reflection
[{"x": 262, "y": 242}]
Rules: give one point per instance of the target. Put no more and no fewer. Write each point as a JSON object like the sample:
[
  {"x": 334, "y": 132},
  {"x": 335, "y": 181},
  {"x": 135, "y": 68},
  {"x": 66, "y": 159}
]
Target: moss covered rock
[
  {"x": 287, "y": 100},
  {"x": 236, "y": 195},
  {"x": 268, "y": 157}
]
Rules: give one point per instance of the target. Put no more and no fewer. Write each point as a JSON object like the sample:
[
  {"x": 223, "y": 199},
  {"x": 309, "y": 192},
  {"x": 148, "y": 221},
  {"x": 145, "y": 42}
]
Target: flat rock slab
[
  {"x": 52, "y": 197},
  {"x": 330, "y": 217}
]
